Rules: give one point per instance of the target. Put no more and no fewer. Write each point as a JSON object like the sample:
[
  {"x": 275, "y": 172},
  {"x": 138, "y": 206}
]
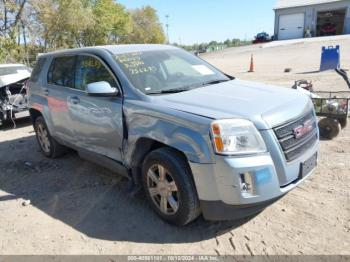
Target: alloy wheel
[
  {"x": 162, "y": 189},
  {"x": 43, "y": 138}
]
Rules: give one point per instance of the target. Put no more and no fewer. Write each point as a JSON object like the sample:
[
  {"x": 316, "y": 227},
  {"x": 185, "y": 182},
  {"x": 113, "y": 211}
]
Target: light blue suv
[{"x": 197, "y": 140}]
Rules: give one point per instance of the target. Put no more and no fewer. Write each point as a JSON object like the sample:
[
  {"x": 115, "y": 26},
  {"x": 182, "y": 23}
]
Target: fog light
[{"x": 247, "y": 183}]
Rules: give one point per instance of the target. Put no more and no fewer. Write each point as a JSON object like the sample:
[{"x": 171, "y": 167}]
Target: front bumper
[
  {"x": 219, "y": 211},
  {"x": 219, "y": 185}
]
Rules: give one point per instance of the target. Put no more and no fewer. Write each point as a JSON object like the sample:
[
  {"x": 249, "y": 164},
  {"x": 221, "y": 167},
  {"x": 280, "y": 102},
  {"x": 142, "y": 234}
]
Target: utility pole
[{"x": 167, "y": 28}]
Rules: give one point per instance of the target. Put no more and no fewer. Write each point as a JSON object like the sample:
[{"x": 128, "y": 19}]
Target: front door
[{"x": 97, "y": 121}]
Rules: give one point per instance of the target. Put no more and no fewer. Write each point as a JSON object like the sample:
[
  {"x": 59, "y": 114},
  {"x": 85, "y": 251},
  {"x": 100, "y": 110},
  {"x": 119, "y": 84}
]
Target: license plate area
[
  {"x": 308, "y": 166},
  {"x": 22, "y": 114}
]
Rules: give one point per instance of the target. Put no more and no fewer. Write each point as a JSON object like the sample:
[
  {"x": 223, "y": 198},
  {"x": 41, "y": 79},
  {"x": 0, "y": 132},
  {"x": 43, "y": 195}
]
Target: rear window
[
  {"x": 37, "y": 69},
  {"x": 61, "y": 71}
]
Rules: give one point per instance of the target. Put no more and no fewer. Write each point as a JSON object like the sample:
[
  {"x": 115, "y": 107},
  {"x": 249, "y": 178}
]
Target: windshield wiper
[
  {"x": 170, "y": 91},
  {"x": 186, "y": 88},
  {"x": 214, "y": 82}
]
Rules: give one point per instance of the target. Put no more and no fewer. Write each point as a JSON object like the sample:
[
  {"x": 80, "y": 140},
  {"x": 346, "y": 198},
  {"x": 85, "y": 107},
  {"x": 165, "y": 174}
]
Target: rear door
[
  {"x": 60, "y": 81},
  {"x": 97, "y": 121},
  {"x": 291, "y": 26}
]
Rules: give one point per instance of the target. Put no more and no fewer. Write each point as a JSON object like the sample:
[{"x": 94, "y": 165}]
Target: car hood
[
  {"x": 8, "y": 79},
  {"x": 266, "y": 106}
]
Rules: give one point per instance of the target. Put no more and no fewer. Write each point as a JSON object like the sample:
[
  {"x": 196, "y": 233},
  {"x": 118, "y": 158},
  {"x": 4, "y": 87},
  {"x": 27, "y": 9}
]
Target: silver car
[{"x": 197, "y": 140}]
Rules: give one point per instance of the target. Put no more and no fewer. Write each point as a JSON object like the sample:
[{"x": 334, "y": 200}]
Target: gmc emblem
[{"x": 303, "y": 129}]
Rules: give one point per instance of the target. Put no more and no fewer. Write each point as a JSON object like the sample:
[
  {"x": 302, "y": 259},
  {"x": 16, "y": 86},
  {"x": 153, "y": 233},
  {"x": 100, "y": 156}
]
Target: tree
[
  {"x": 214, "y": 43},
  {"x": 111, "y": 23},
  {"x": 62, "y": 23},
  {"x": 228, "y": 42},
  {"x": 7, "y": 49},
  {"x": 146, "y": 27},
  {"x": 11, "y": 16},
  {"x": 236, "y": 42},
  {"x": 28, "y": 27}
]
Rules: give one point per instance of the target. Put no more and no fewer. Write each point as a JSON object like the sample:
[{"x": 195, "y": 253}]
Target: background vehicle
[
  {"x": 328, "y": 29},
  {"x": 13, "y": 91},
  {"x": 262, "y": 38},
  {"x": 176, "y": 125}
]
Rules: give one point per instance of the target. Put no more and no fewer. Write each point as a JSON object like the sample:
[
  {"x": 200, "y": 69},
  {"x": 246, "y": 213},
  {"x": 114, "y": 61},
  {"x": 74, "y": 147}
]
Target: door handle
[
  {"x": 46, "y": 91},
  {"x": 74, "y": 100}
]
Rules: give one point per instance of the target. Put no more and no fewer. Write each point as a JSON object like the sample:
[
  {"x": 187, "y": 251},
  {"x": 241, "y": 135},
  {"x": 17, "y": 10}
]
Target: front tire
[
  {"x": 169, "y": 187},
  {"x": 48, "y": 145}
]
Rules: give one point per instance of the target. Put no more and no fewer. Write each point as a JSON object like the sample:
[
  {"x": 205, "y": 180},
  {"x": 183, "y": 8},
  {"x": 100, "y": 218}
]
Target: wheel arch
[
  {"x": 34, "y": 114},
  {"x": 37, "y": 112},
  {"x": 142, "y": 148},
  {"x": 145, "y": 145}
]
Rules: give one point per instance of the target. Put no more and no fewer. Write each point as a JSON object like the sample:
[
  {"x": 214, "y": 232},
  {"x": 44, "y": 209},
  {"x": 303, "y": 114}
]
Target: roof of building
[{"x": 296, "y": 3}]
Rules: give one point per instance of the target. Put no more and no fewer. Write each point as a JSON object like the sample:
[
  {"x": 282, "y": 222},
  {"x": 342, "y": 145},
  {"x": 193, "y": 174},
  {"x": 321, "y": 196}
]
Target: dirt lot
[{"x": 79, "y": 208}]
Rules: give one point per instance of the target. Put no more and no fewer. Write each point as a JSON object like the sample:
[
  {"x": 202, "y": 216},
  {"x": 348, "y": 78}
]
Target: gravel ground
[{"x": 70, "y": 206}]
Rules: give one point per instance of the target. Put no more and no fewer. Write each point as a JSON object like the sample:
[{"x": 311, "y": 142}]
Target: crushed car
[{"x": 13, "y": 91}]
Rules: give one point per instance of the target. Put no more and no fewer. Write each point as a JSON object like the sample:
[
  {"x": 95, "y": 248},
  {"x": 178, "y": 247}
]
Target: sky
[{"x": 197, "y": 21}]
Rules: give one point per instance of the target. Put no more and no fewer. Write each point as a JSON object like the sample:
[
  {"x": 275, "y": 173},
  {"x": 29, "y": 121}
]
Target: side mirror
[{"x": 102, "y": 88}]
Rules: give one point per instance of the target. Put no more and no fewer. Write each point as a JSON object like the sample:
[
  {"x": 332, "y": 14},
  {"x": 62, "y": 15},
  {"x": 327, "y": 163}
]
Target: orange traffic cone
[{"x": 251, "y": 69}]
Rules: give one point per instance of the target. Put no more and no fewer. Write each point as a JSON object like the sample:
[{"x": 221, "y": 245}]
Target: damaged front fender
[{"x": 183, "y": 131}]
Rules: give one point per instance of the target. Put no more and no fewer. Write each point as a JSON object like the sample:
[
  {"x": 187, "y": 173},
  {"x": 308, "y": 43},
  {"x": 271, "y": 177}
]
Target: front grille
[{"x": 294, "y": 146}]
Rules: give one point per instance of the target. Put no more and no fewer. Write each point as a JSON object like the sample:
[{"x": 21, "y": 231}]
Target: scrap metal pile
[{"x": 332, "y": 107}]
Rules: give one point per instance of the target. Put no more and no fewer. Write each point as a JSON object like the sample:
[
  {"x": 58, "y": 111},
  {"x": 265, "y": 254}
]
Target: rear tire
[
  {"x": 48, "y": 145},
  {"x": 329, "y": 128},
  {"x": 168, "y": 184}
]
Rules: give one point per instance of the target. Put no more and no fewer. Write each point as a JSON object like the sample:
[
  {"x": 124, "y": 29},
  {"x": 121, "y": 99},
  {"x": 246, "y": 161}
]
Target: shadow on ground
[
  {"x": 21, "y": 122},
  {"x": 309, "y": 72},
  {"x": 89, "y": 198}
]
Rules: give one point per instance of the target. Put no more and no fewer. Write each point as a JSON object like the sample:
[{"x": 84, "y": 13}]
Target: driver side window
[{"x": 90, "y": 70}]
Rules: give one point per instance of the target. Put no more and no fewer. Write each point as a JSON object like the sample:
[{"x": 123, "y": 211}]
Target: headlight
[{"x": 236, "y": 136}]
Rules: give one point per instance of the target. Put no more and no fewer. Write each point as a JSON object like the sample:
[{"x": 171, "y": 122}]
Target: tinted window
[
  {"x": 37, "y": 69},
  {"x": 90, "y": 70},
  {"x": 62, "y": 71}
]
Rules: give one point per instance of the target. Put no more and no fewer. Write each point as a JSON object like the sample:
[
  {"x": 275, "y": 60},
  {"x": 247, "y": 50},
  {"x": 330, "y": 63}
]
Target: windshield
[
  {"x": 162, "y": 71},
  {"x": 262, "y": 35}
]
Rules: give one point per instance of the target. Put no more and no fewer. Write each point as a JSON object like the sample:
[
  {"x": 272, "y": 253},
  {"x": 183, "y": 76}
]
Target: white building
[{"x": 305, "y": 18}]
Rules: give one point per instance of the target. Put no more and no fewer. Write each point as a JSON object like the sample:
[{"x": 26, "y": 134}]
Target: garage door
[{"x": 291, "y": 26}]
